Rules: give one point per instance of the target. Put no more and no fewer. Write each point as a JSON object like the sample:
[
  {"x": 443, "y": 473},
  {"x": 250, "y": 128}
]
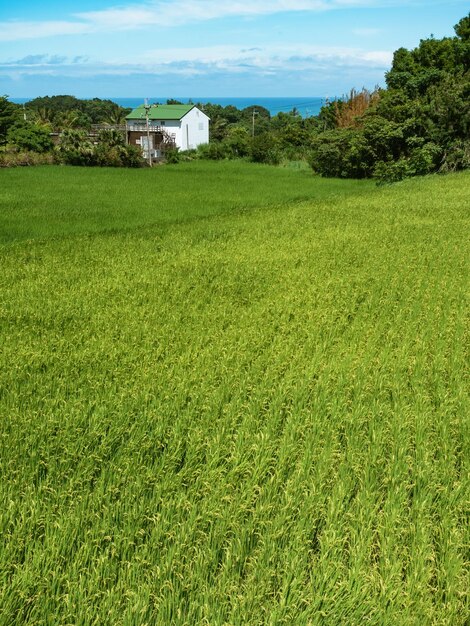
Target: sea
[{"x": 305, "y": 106}]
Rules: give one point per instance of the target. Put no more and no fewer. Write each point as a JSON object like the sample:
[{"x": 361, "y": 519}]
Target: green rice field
[{"x": 233, "y": 395}]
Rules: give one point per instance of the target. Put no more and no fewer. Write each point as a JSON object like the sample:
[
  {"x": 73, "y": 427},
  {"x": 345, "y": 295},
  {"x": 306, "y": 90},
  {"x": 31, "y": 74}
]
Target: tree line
[
  {"x": 418, "y": 124},
  {"x": 26, "y": 132}
]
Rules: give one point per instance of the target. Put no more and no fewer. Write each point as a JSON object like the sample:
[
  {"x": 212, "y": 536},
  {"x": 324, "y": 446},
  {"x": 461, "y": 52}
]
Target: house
[{"x": 183, "y": 126}]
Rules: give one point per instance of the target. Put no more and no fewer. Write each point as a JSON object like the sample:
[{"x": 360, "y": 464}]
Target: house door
[{"x": 144, "y": 142}]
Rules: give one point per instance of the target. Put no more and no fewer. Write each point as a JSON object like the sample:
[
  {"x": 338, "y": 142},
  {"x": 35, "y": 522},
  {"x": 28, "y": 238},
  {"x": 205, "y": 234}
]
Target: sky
[{"x": 224, "y": 48}]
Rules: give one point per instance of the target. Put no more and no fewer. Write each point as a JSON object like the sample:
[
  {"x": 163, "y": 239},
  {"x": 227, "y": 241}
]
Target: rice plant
[{"x": 244, "y": 402}]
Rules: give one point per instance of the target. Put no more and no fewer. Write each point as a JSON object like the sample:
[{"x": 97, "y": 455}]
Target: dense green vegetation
[
  {"x": 235, "y": 404},
  {"x": 418, "y": 125},
  {"x": 26, "y": 133},
  {"x": 67, "y": 112}
]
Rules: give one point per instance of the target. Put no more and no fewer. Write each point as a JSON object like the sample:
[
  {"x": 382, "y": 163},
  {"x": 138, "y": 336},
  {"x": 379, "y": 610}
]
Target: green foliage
[
  {"x": 265, "y": 149},
  {"x": 30, "y": 137},
  {"x": 392, "y": 171},
  {"x": 327, "y": 116},
  {"x": 238, "y": 140},
  {"x": 214, "y": 151},
  {"x": 418, "y": 125},
  {"x": 329, "y": 153},
  {"x": 233, "y": 394},
  {"x": 456, "y": 156},
  {"x": 462, "y": 29},
  {"x": 68, "y": 112},
  {"x": 172, "y": 156},
  {"x": 76, "y": 148},
  {"x": 110, "y": 137},
  {"x": 425, "y": 160},
  {"x": 9, "y": 116}
]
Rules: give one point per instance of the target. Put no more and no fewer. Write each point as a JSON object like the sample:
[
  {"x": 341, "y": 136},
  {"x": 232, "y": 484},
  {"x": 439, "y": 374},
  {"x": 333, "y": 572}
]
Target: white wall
[
  {"x": 194, "y": 129},
  {"x": 189, "y": 132}
]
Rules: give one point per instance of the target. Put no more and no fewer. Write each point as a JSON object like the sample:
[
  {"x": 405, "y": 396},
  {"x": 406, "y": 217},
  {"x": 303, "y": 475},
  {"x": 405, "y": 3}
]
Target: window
[
  {"x": 201, "y": 126},
  {"x": 162, "y": 123}
]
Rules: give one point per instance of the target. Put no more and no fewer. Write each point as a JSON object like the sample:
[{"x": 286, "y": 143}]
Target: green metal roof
[{"x": 161, "y": 112}]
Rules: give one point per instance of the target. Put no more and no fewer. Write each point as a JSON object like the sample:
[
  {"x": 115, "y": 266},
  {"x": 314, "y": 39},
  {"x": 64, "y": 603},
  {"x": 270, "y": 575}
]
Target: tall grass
[
  {"x": 60, "y": 200},
  {"x": 243, "y": 417}
]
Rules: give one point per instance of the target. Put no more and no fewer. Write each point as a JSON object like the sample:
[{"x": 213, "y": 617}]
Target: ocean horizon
[{"x": 306, "y": 106}]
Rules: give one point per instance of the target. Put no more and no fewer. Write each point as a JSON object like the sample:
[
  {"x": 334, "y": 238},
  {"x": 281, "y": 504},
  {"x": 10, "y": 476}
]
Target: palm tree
[
  {"x": 68, "y": 120},
  {"x": 117, "y": 116},
  {"x": 43, "y": 116}
]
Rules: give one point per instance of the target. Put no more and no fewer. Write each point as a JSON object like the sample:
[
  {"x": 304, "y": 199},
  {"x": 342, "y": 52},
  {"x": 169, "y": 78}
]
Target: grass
[
  {"x": 242, "y": 403},
  {"x": 55, "y": 201}
]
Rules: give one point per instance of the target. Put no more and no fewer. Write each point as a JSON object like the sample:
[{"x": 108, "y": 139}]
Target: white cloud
[
  {"x": 15, "y": 30},
  {"x": 167, "y": 13},
  {"x": 175, "y": 12},
  {"x": 266, "y": 56},
  {"x": 227, "y": 59}
]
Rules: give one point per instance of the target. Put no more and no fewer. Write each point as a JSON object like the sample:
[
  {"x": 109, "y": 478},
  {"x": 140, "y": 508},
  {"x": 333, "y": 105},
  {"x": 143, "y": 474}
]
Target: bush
[
  {"x": 393, "y": 171},
  {"x": 424, "y": 160},
  {"x": 75, "y": 148},
  {"x": 30, "y": 138},
  {"x": 265, "y": 149},
  {"x": 188, "y": 155},
  {"x": 238, "y": 142},
  {"x": 25, "y": 158},
  {"x": 456, "y": 157},
  {"x": 214, "y": 151},
  {"x": 341, "y": 154},
  {"x": 131, "y": 156},
  {"x": 172, "y": 155},
  {"x": 107, "y": 156}
]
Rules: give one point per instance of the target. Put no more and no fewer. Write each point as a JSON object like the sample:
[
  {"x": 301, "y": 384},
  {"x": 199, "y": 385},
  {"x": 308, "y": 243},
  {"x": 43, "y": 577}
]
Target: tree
[
  {"x": 30, "y": 137},
  {"x": 419, "y": 124},
  {"x": 462, "y": 29},
  {"x": 9, "y": 115}
]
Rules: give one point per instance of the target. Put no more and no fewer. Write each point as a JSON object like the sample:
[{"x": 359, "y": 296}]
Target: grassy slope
[
  {"x": 49, "y": 201},
  {"x": 248, "y": 418}
]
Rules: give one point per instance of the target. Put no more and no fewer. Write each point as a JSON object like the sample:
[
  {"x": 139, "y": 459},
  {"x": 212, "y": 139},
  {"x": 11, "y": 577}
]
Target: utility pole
[
  {"x": 149, "y": 154},
  {"x": 255, "y": 112}
]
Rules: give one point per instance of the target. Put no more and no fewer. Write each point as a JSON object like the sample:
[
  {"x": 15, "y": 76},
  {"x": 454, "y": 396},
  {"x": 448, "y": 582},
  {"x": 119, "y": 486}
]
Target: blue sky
[{"x": 191, "y": 48}]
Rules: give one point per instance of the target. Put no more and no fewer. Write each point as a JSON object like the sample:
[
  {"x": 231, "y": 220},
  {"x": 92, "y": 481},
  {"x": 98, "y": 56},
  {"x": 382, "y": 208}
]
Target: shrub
[
  {"x": 131, "y": 156},
  {"x": 172, "y": 155},
  {"x": 456, "y": 157},
  {"x": 19, "y": 159},
  {"x": 238, "y": 141},
  {"x": 265, "y": 149},
  {"x": 75, "y": 148},
  {"x": 30, "y": 138},
  {"x": 392, "y": 171},
  {"x": 214, "y": 151},
  {"x": 424, "y": 160}
]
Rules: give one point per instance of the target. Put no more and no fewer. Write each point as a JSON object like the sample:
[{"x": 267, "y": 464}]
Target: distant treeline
[
  {"x": 418, "y": 125},
  {"x": 65, "y": 112}
]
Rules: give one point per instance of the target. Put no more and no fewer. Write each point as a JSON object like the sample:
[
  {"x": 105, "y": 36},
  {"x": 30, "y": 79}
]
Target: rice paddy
[{"x": 233, "y": 395}]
